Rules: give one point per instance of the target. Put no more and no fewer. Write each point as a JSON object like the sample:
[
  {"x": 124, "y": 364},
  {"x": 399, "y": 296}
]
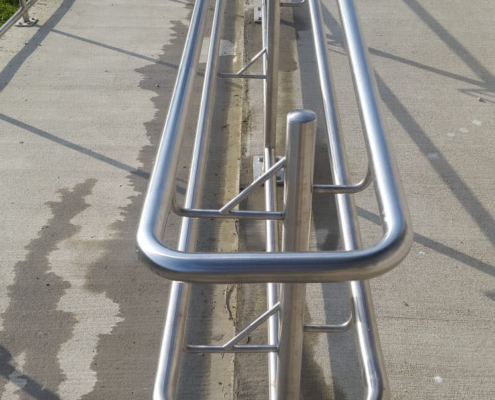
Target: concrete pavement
[{"x": 83, "y": 99}]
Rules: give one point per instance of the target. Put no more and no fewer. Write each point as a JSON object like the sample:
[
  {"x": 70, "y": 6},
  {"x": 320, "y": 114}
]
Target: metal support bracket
[
  {"x": 259, "y": 169},
  {"x": 257, "y": 15},
  {"x": 232, "y": 347}
]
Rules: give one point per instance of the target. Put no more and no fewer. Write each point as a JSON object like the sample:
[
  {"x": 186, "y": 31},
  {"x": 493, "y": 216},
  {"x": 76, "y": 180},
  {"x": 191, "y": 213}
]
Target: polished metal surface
[
  {"x": 295, "y": 266},
  {"x": 167, "y": 375},
  {"x": 270, "y": 21},
  {"x": 337, "y": 189},
  {"x": 272, "y": 245},
  {"x": 370, "y": 356},
  {"x": 300, "y": 155},
  {"x": 270, "y": 267}
]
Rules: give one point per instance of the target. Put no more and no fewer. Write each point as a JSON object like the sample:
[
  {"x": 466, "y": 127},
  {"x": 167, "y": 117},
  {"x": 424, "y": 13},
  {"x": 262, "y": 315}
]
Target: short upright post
[
  {"x": 300, "y": 154},
  {"x": 26, "y": 19},
  {"x": 25, "y": 16}
]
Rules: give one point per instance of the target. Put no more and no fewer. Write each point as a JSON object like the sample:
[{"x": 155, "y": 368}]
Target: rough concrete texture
[{"x": 83, "y": 99}]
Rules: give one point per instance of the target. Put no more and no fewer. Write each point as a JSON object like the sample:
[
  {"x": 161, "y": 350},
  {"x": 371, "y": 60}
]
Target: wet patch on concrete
[
  {"x": 490, "y": 294},
  {"x": 32, "y": 324},
  {"x": 126, "y": 359}
]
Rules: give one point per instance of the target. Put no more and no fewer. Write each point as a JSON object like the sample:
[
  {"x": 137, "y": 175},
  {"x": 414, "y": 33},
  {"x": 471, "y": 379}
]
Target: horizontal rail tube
[
  {"x": 239, "y": 348},
  {"x": 337, "y": 328},
  {"x": 236, "y": 75},
  {"x": 275, "y": 267},
  {"x": 347, "y": 189},
  {"x": 234, "y": 214}
]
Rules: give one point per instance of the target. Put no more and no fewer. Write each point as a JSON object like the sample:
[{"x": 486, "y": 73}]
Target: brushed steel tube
[
  {"x": 337, "y": 189},
  {"x": 272, "y": 245},
  {"x": 238, "y": 348},
  {"x": 271, "y": 39},
  {"x": 289, "y": 267},
  {"x": 370, "y": 354},
  {"x": 233, "y": 214},
  {"x": 300, "y": 154},
  {"x": 368, "y": 343},
  {"x": 25, "y": 16},
  {"x": 167, "y": 373},
  {"x": 167, "y": 376},
  {"x": 337, "y": 328},
  {"x": 270, "y": 42}
]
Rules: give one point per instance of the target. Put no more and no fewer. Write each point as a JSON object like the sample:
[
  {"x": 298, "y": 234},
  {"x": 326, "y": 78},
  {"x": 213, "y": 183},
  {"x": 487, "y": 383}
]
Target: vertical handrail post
[
  {"x": 300, "y": 154},
  {"x": 25, "y": 15}
]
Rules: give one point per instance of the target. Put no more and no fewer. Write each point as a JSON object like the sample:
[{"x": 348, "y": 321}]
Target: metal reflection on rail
[{"x": 287, "y": 271}]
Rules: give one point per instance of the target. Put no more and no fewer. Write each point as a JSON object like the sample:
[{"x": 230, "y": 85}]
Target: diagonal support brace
[{"x": 232, "y": 347}]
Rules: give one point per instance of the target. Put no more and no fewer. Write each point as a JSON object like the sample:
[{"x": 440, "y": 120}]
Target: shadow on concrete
[
  {"x": 29, "y": 386},
  {"x": 74, "y": 146},
  {"x": 442, "y": 167},
  {"x": 437, "y": 246},
  {"x": 113, "y": 48},
  {"x": 453, "y": 44},
  {"x": 15, "y": 64}
]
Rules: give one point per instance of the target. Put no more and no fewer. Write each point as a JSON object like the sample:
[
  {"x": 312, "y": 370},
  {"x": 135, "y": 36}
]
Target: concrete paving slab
[{"x": 83, "y": 99}]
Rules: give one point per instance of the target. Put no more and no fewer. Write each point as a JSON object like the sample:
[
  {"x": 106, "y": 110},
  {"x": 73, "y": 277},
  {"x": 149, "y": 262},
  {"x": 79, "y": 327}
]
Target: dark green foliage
[{"x": 7, "y": 8}]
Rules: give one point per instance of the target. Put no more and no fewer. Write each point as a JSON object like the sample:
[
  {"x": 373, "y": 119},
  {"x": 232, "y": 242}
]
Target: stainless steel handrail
[
  {"x": 295, "y": 265},
  {"x": 268, "y": 267},
  {"x": 21, "y": 13}
]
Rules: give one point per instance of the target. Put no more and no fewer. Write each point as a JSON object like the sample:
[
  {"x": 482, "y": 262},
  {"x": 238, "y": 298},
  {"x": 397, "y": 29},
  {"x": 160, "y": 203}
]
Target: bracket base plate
[
  {"x": 259, "y": 169},
  {"x": 257, "y": 15}
]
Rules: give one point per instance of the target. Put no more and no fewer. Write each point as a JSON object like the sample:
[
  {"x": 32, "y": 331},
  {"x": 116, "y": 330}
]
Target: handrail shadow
[{"x": 32, "y": 44}]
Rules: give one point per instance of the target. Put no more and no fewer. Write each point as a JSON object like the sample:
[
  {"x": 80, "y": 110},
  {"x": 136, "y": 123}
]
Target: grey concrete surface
[{"x": 83, "y": 98}]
